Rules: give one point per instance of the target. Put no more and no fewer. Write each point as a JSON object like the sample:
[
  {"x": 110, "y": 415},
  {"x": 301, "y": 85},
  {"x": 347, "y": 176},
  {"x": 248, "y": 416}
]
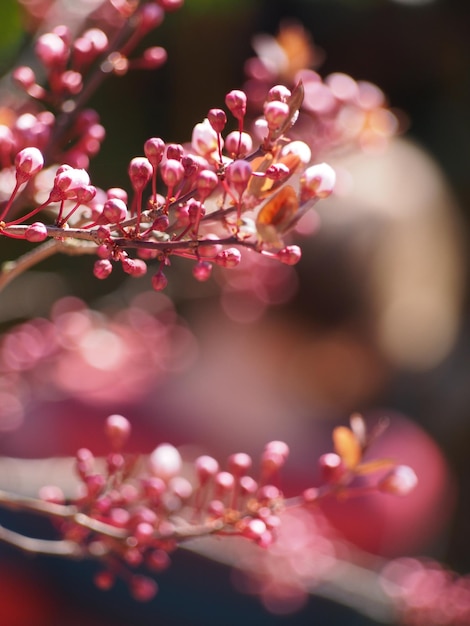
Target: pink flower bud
[
  {"x": 239, "y": 463},
  {"x": 268, "y": 493},
  {"x": 51, "y": 50},
  {"x": 277, "y": 171},
  {"x": 276, "y": 113},
  {"x": 238, "y": 175},
  {"x": 278, "y": 447},
  {"x": 400, "y": 481},
  {"x": 317, "y": 181},
  {"x": 279, "y": 92},
  {"x": 117, "y": 429},
  {"x": 114, "y": 211},
  {"x": 204, "y": 138},
  {"x": 24, "y": 76},
  {"x": 202, "y": 271},
  {"x": 158, "y": 560},
  {"x": 248, "y": 485},
  {"x": 143, "y": 588},
  {"x": 159, "y": 281},
  {"x": 170, "y": 5},
  {"x": 140, "y": 172},
  {"x": 28, "y": 162},
  {"x": 153, "y": 57},
  {"x": 254, "y": 529},
  {"x": 230, "y": 257},
  {"x": 102, "y": 269},
  {"x": 72, "y": 82},
  {"x": 174, "y": 151},
  {"x": 216, "y": 508},
  {"x": 104, "y": 580},
  {"x": 151, "y": 16},
  {"x": 68, "y": 183},
  {"x": 206, "y": 467},
  {"x": 236, "y": 102},
  {"x": 172, "y": 172},
  {"x": 331, "y": 467},
  {"x": 217, "y": 119},
  {"x": 224, "y": 482},
  {"x": 238, "y": 144},
  {"x": 206, "y": 182},
  {"x": 117, "y": 192},
  {"x": 165, "y": 461},
  {"x": 154, "y": 149},
  {"x": 290, "y": 255},
  {"x": 134, "y": 267},
  {"x": 36, "y": 232},
  {"x": 299, "y": 149}
]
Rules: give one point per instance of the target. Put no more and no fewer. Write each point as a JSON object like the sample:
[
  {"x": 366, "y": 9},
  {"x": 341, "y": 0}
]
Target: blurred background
[{"x": 379, "y": 324}]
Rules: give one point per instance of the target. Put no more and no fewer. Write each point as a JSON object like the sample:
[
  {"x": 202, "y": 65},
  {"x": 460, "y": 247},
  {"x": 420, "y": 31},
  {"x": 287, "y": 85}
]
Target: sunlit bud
[
  {"x": 151, "y": 16},
  {"x": 140, "y": 172},
  {"x": 172, "y": 172},
  {"x": 71, "y": 81},
  {"x": 51, "y": 50},
  {"x": 206, "y": 182},
  {"x": 117, "y": 192},
  {"x": 190, "y": 165},
  {"x": 114, "y": 211},
  {"x": 202, "y": 271},
  {"x": 239, "y": 463},
  {"x": 153, "y": 487},
  {"x": 204, "y": 138},
  {"x": 224, "y": 482},
  {"x": 154, "y": 149},
  {"x": 28, "y": 162},
  {"x": 158, "y": 560},
  {"x": 299, "y": 149},
  {"x": 248, "y": 485},
  {"x": 275, "y": 113},
  {"x": 86, "y": 194},
  {"x": 279, "y": 92},
  {"x": 24, "y": 76},
  {"x": 278, "y": 447},
  {"x": 94, "y": 484},
  {"x": 216, "y": 508},
  {"x": 332, "y": 467},
  {"x": 97, "y": 39},
  {"x": 268, "y": 493},
  {"x": 117, "y": 429},
  {"x": 206, "y": 467},
  {"x": 103, "y": 251},
  {"x": 161, "y": 223},
  {"x": 236, "y": 102},
  {"x": 181, "y": 487},
  {"x": 229, "y": 258},
  {"x": 290, "y": 255},
  {"x": 400, "y": 481},
  {"x": 310, "y": 495},
  {"x": 238, "y": 144},
  {"x": 102, "y": 269},
  {"x": 68, "y": 182},
  {"x": 103, "y": 232},
  {"x": 174, "y": 151},
  {"x": 134, "y": 267},
  {"x": 143, "y": 588},
  {"x": 254, "y": 529},
  {"x": 165, "y": 461},
  {"x": 217, "y": 119},
  {"x": 317, "y": 181},
  {"x": 152, "y": 58},
  {"x": 36, "y": 232},
  {"x": 238, "y": 175}
]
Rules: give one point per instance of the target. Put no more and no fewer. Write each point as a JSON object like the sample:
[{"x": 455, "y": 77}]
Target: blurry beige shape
[{"x": 416, "y": 266}]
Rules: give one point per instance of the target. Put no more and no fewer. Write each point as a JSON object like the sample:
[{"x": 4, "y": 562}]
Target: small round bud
[
  {"x": 51, "y": 50},
  {"x": 400, "y": 481},
  {"x": 236, "y": 103},
  {"x": 143, "y": 588},
  {"x": 205, "y": 139},
  {"x": 154, "y": 149},
  {"x": 238, "y": 175},
  {"x": 254, "y": 529},
  {"x": 174, "y": 151},
  {"x": 224, "y": 482},
  {"x": 165, "y": 461},
  {"x": 206, "y": 182},
  {"x": 276, "y": 113},
  {"x": 36, "y": 232},
  {"x": 248, "y": 485},
  {"x": 134, "y": 267},
  {"x": 28, "y": 162},
  {"x": 114, "y": 211},
  {"x": 104, "y": 580},
  {"x": 317, "y": 181},
  {"x": 238, "y": 144},
  {"x": 159, "y": 281},
  {"x": 229, "y": 258},
  {"x": 279, "y": 92},
  {"x": 102, "y": 269},
  {"x": 206, "y": 467},
  {"x": 332, "y": 467},
  {"x": 202, "y": 271},
  {"x": 290, "y": 255},
  {"x": 217, "y": 119},
  {"x": 172, "y": 172},
  {"x": 140, "y": 172},
  {"x": 239, "y": 463},
  {"x": 118, "y": 429}
]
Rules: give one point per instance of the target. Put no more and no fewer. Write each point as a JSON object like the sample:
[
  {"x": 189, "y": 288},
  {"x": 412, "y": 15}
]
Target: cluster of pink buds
[
  {"x": 131, "y": 512},
  {"x": 205, "y": 201}
]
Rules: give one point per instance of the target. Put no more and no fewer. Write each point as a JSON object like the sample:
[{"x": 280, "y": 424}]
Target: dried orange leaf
[
  {"x": 277, "y": 214},
  {"x": 347, "y": 446},
  {"x": 374, "y": 466}
]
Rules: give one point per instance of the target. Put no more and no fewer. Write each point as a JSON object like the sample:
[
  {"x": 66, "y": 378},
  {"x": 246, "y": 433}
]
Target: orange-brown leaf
[
  {"x": 373, "y": 466},
  {"x": 347, "y": 446}
]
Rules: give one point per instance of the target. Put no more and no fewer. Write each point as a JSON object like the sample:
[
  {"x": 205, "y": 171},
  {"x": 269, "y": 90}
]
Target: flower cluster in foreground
[{"x": 131, "y": 512}]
